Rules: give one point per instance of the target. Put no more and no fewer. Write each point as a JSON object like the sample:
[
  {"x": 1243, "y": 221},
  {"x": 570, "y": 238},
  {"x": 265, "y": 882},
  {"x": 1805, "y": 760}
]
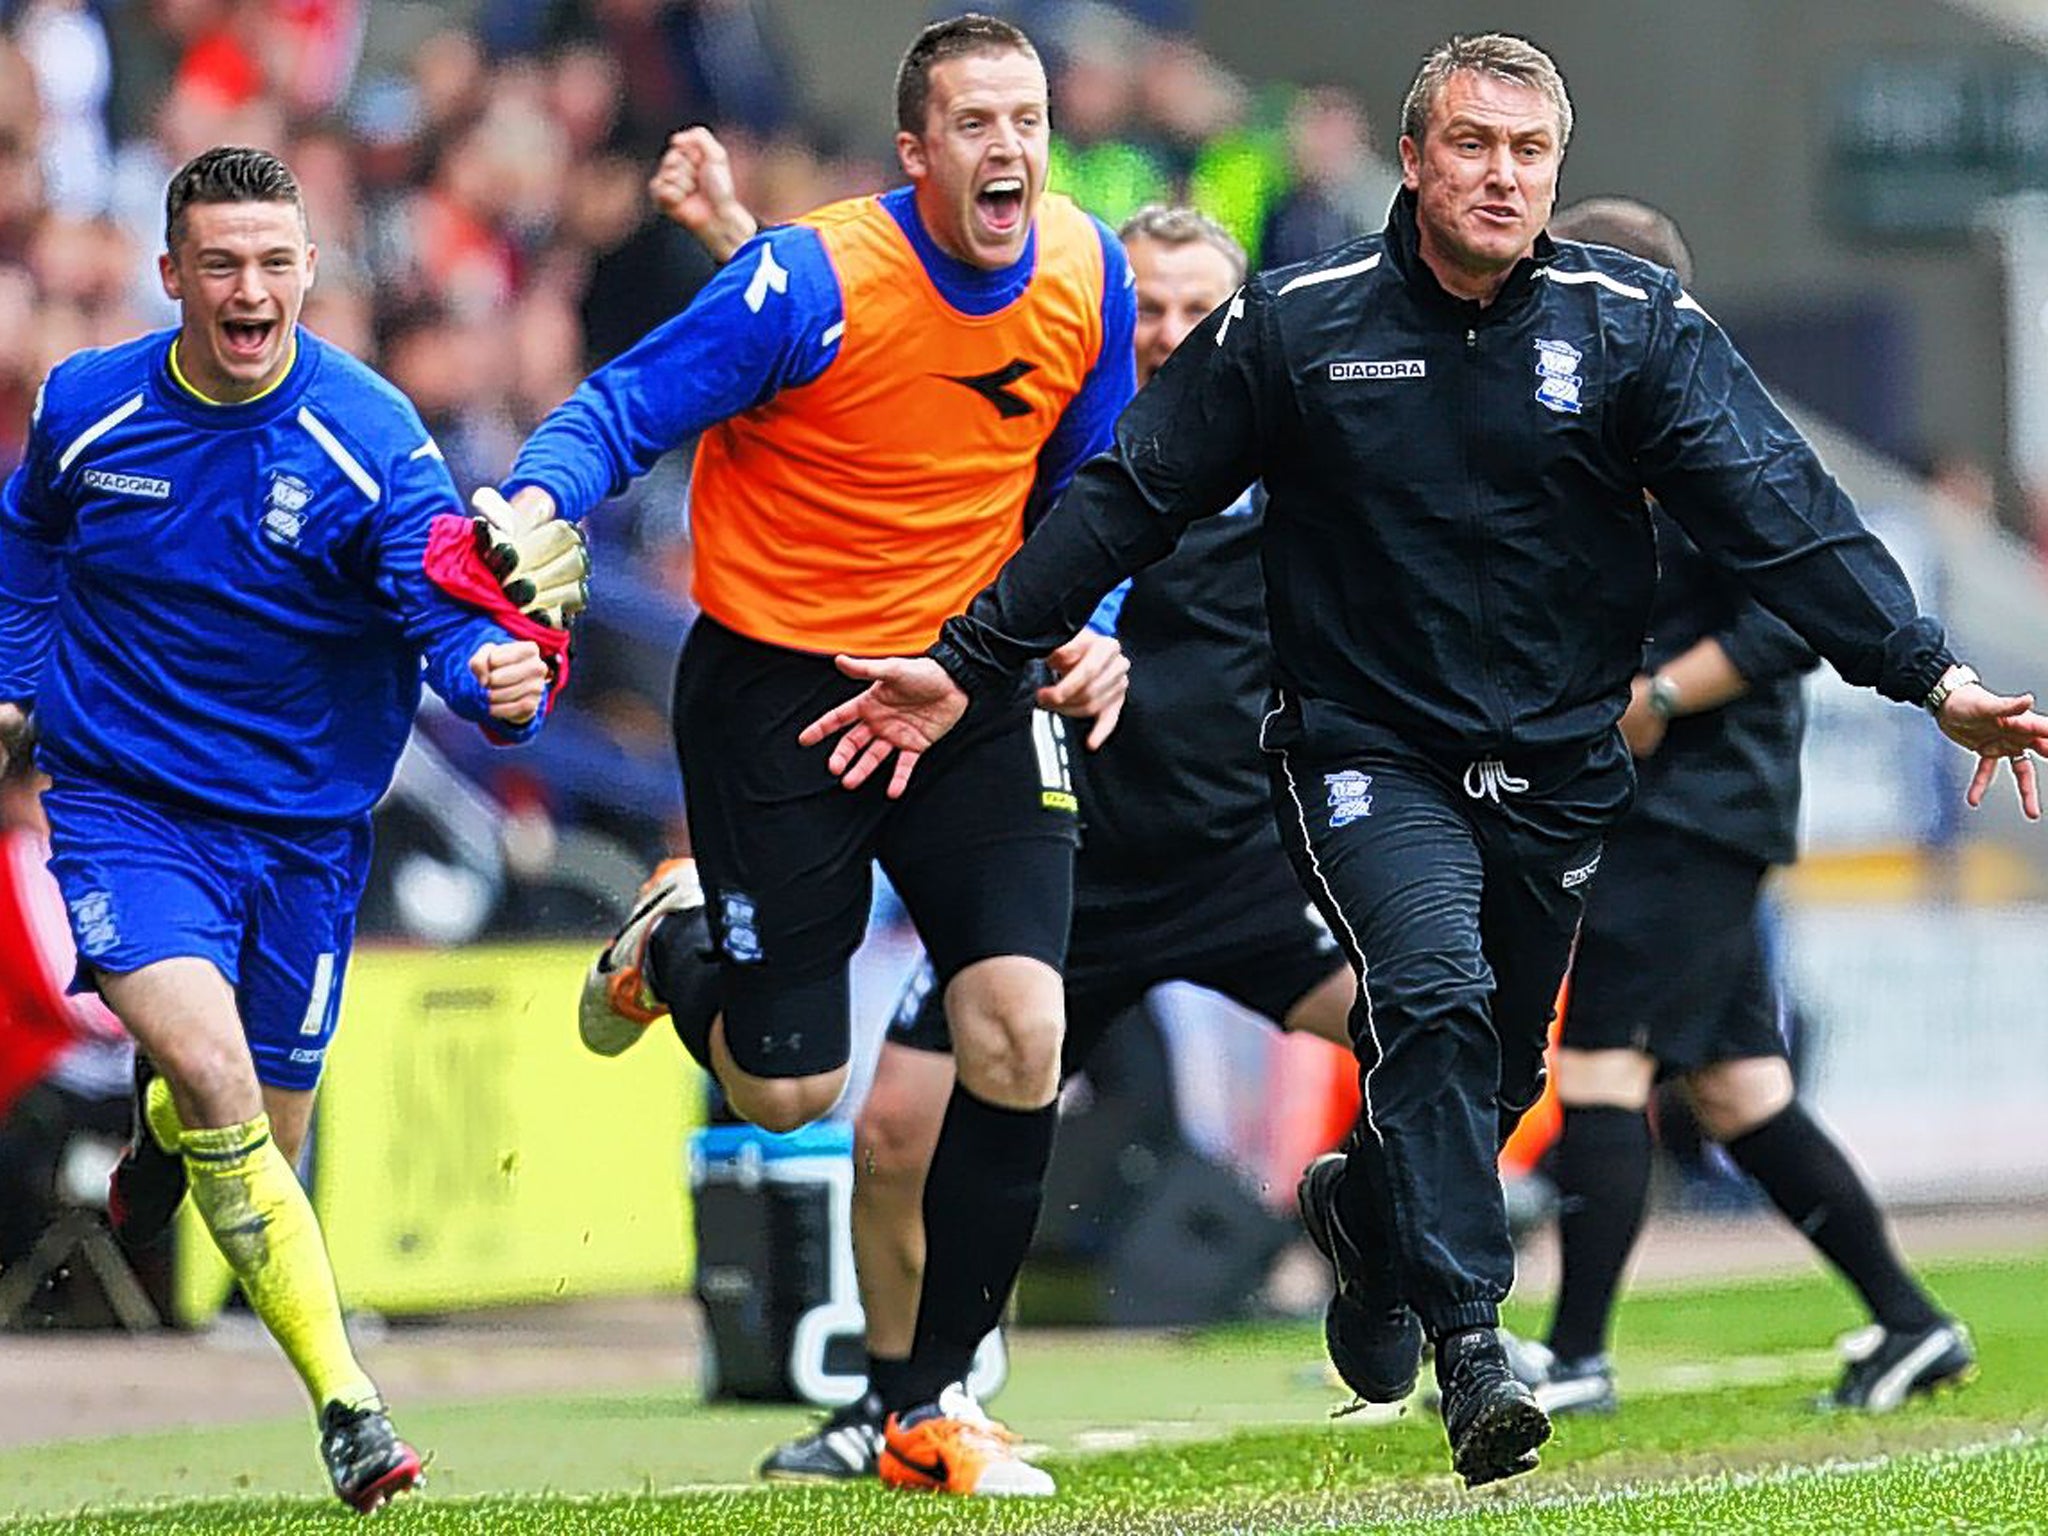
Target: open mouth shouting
[
  {"x": 247, "y": 341},
  {"x": 1000, "y": 203}
]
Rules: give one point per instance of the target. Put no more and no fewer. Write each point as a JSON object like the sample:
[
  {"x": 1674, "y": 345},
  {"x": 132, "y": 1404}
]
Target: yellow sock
[
  {"x": 160, "y": 1114},
  {"x": 265, "y": 1228}
]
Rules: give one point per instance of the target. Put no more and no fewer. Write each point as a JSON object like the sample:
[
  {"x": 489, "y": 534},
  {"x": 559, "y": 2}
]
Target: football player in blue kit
[{"x": 225, "y": 565}]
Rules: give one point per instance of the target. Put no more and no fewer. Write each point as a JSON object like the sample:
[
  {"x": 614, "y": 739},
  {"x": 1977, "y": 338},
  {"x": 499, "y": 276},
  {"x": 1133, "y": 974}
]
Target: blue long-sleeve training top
[{"x": 224, "y": 605}]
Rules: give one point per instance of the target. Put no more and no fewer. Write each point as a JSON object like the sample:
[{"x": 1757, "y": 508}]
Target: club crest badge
[
  {"x": 739, "y": 931},
  {"x": 1350, "y": 796},
  {"x": 1557, "y": 377},
  {"x": 284, "y": 509}
]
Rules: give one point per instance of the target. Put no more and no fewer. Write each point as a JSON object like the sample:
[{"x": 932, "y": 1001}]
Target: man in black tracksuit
[
  {"x": 1456, "y": 420},
  {"x": 1671, "y": 975}
]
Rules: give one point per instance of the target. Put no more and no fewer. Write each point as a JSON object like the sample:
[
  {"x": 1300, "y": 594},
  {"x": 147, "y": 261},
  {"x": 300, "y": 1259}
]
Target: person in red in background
[{"x": 65, "y": 1061}]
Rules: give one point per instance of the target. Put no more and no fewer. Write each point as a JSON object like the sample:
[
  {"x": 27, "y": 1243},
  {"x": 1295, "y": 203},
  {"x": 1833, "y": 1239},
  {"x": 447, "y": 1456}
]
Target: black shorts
[
  {"x": 980, "y": 848},
  {"x": 1670, "y": 959},
  {"x": 1238, "y": 924}
]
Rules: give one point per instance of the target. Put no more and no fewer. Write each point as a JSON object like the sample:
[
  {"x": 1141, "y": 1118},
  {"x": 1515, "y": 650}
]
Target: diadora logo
[
  {"x": 1574, "y": 878},
  {"x": 128, "y": 485},
  {"x": 1388, "y": 368},
  {"x": 1557, "y": 377},
  {"x": 995, "y": 387},
  {"x": 284, "y": 509},
  {"x": 1350, "y": 796}
]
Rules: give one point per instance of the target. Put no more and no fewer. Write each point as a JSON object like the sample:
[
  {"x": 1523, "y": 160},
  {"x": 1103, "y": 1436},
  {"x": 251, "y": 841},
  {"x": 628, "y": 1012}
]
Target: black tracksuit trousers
[{"x": 1456, "y": 889}]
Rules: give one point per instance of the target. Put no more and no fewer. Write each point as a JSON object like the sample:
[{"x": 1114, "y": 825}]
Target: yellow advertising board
[{"x": 468, "y": 1151}]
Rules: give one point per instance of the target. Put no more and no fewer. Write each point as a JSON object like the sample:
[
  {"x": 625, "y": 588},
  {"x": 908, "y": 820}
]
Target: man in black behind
[{"x": 1671, "y": 975}]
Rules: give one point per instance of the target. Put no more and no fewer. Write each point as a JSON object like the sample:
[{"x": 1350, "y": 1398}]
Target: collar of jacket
[{"x": 1404, "y": 249}]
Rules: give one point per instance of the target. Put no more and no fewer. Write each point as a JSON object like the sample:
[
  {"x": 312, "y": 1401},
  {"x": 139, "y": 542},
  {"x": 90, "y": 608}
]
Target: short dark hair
[
  {"x": 228, "y": 173},
  {"x": 943, "y": 40},
  {"x": 1627, "y": 225},
  {"x": 1184, "y": 226}
]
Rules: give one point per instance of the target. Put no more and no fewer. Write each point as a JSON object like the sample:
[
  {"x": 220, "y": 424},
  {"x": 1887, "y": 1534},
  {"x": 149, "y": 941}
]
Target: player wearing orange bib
[{"x": 883, "y": 388}]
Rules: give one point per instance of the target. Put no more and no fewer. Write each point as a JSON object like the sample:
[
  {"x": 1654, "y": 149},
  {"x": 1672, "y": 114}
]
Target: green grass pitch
[{"x": 1224, "y": 1431}]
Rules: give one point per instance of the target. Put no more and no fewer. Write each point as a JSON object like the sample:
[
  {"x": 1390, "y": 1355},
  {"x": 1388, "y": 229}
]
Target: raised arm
[
  {"x": 693, "y": 187},
  {"x": 766, "y": 322}
]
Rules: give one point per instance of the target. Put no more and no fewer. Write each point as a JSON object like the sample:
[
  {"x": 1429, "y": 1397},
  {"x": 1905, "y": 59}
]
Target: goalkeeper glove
[{"x": 544, "y": 567}]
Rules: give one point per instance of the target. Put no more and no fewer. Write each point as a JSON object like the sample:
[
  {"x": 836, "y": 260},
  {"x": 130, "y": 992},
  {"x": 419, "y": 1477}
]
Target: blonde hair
[
  {"x": 1499, "y": 54},
  {"x": 1184, "y": 226}
]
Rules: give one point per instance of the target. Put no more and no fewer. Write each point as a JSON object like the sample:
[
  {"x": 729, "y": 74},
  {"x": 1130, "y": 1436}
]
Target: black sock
[
  {"x": 1811, "y": 1180},
  {"x": 981, "y": 1202},
  {"x": 1603, "y": 1183},
  {"x": 885, "y": 1382},
  {"x": 681, "y": 970}
]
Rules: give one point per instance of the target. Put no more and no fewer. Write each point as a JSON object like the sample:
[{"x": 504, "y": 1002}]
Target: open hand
[
  {"x": 1998, "y": 729},
  {"x": 908, "y": 705},
  {"x": 1094, "y": 675},
  {"x": 514, "y": 676}
]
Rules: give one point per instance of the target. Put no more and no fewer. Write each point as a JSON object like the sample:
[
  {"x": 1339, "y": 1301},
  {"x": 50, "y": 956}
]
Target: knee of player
[
  {"x": 885, "y": 1155},
  {"x": 1732, "y": 1098},
  {"x": 1012, "y": 1055},
  {"x": 1620, "y": 1079},
  {"x": 1430, "y": 990},
  {"x": 213, "y": 1081},
  {"x": 786, "y": 1104}
]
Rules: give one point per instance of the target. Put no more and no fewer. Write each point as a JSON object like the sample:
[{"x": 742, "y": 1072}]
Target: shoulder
[
  {"x": 785, "y": 259},
  {"x": 86, "y": 386},
  {"x": 848, "y": 212},
  {"x": 1076, "y": 247},
  {"x": 1116, "y": 262},
  {"x": 355, "y": 401},
  {"x": 1612, "y": 278},
  {"x": 1340, "y": 272}
]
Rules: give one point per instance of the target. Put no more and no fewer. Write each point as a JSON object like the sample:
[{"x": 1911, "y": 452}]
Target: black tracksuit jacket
[{"x": 1457, "y": 547}]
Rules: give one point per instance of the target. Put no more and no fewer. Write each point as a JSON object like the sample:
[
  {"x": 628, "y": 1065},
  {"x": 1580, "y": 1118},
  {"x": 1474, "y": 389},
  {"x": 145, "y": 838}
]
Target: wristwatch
[
  {"x": 1957, "y": 676},
  {"x": 1664, "y": 696}
]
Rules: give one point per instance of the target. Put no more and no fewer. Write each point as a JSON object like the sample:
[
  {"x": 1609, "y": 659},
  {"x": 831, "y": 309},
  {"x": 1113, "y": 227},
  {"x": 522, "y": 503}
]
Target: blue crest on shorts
[
  {"x": 739, "y": 933},
  {"x": 1350, "y": 796}
]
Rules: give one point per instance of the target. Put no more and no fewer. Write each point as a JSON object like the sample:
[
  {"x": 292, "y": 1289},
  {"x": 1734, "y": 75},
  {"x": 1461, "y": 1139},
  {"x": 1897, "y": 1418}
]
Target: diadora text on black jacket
[{"x": 1457, "y": 548}]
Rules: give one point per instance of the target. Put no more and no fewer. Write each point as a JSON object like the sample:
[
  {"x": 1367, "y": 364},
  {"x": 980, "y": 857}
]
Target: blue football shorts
[{"x": 273, "y": 909}]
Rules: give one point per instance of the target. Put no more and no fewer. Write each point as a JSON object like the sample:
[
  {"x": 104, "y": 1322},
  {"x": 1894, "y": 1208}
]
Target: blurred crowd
[{"x": 477, "y": 192}]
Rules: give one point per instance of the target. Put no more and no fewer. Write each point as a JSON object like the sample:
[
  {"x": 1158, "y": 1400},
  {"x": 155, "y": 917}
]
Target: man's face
[
  {"x": 239, "y": 272},
  {"x": 1177, "y": 287},
  {"x": 979, "y": 165},
  {"x": 1484, "y": 176}
]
